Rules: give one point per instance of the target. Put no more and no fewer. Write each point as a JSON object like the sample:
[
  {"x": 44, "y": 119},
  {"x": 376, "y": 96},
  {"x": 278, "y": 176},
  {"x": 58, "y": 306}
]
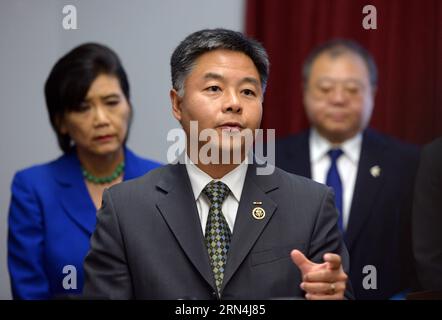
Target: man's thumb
[{"x": 301, "y": 261}]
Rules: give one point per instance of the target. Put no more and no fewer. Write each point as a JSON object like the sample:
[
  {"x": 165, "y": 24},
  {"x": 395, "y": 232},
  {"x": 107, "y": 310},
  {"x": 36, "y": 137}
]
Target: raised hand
[{"x": 321, "y": 281}]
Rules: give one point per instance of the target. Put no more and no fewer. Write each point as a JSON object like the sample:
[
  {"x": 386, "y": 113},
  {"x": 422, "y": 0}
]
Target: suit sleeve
[
  {"x": 106, "y": 271},
  {"x": 26, "y": 243},
  {"x": 327, "y": 238},
  {"x": 427, "y": 220}
]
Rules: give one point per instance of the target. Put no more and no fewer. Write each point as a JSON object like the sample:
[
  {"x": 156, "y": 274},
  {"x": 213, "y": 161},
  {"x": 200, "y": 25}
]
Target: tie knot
[
  {"x": 334, "y": 154},
  {"x": 216, "y": 191}
]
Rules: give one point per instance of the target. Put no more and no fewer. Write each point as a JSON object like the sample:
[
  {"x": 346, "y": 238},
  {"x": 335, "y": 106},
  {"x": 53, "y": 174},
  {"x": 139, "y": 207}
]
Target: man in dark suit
[
  {"x": 217, "y": 230},
  {"x": 427, "y": 218},
  {"x": 372, "y": 174}
]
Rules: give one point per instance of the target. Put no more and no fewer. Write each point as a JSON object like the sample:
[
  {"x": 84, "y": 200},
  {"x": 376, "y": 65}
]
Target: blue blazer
[{"x": 51, "y": 218}]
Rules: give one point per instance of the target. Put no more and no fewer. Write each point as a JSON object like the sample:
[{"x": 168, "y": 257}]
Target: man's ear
[{"x": 175, "y": 99}]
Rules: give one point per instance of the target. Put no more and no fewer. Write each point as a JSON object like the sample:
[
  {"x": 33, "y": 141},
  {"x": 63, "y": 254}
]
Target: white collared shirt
[
  {"x": 234, "y": 180},
  {"x": 347, "y": 165}
]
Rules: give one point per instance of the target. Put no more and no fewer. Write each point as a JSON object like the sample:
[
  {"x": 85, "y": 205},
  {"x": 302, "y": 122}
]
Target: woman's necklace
[{"x": 101, "y": 180}]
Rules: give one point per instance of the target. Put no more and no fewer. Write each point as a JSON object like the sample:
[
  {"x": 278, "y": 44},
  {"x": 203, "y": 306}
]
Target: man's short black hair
[{"x": 200, "y": 42}]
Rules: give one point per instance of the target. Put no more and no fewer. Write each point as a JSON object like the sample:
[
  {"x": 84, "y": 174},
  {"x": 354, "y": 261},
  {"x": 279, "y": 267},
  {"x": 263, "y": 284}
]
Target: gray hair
[
  {"x": 336, "y": 48},
  {"x": 184, "y": 57}
]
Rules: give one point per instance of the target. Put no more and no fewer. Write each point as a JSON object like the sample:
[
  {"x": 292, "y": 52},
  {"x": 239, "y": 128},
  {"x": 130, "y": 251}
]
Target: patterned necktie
[
  {"x": 334, "y": 181},
  {"x": 218, "y": 233}
]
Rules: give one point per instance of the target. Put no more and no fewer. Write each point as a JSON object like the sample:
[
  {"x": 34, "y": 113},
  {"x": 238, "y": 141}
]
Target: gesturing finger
[
  {"x": 325, "y": 276},
  {"x": 334, "y": 260},
  {"x": 304, "y": 264}
]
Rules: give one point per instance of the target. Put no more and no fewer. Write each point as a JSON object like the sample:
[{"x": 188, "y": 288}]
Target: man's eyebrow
[
  {"x": 251, "y": 80},
  {"x": 212, "y": 75},
  {"x": 349, "y": 79},
  {"x": 216, "y": 76}
]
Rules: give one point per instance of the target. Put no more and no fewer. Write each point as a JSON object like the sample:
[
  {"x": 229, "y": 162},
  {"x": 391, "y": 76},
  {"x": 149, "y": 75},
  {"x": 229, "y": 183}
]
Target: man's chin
[
  {"x": 338, "y": 134},
  {"x": 232, "y": 154},
  {"x": 219, "y": 154}
]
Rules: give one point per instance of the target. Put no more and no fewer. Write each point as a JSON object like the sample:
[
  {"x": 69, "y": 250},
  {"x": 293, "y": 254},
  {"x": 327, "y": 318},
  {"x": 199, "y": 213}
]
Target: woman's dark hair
[{"x": 71, "y": 77}]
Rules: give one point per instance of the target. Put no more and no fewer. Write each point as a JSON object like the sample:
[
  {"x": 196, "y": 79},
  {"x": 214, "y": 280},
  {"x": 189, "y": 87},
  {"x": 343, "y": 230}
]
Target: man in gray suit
[{"x": 211, "y": 230}]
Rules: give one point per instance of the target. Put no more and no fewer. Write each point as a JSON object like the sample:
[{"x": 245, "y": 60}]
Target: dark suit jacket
[
  {"x": 149, "y": 242},
  {"x": 427, "y": 218},
  {"x": 51, "y": 218},
  {"x": 379, "y": 227}
]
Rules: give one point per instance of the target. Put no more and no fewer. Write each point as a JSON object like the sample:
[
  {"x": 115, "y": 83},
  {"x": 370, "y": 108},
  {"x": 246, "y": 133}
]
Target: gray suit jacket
[{"x": 148, "y": 243}]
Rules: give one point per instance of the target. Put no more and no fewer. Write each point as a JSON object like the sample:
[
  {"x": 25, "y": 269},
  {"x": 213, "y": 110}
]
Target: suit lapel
[
  {"x": 367, "y": 185},
  {"x": 178, "y": 208},
  {"x": 247, "y": 229},
  {"x": 74, "y": 196}
]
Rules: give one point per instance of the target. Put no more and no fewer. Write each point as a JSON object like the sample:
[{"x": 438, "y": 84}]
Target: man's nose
[
  {"x": 232, "y": 103},
  {"x": 338, "y": 96}
]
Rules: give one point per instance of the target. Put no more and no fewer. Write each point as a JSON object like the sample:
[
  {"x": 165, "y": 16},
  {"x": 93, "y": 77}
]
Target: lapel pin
[
  {"x": 258, "y": 213},
  {"x": 375, "y": 171}
]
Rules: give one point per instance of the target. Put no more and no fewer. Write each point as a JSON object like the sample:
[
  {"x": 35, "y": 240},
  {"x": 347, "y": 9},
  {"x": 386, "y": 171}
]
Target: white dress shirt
[
  {"x": 347, "y": 165},
  {"x": 234, "y": 180}
]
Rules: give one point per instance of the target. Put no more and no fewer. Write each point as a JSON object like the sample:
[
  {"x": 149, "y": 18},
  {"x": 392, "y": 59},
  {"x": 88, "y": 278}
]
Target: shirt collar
[
  {"x": 319, "y": 146},
  {"x": 199, "y": 179}
]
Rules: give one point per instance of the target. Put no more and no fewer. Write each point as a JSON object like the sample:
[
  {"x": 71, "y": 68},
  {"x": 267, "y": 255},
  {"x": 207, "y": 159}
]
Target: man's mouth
[
  {"x": 231, "y": 127},
  {"x": 338, "y": 116}
]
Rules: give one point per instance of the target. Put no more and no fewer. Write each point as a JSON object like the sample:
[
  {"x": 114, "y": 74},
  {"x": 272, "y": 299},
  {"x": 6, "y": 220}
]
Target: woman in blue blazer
[{"x": 53, "y": 206}]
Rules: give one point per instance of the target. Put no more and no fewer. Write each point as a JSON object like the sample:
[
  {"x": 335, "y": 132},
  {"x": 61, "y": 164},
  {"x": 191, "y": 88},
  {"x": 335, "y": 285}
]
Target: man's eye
[
  {"x": 352, "y": 90},
  {"x": 249, "y": 92},
  {"x": 213, "y": 89},
  {"x": 324, "y": 89}
]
